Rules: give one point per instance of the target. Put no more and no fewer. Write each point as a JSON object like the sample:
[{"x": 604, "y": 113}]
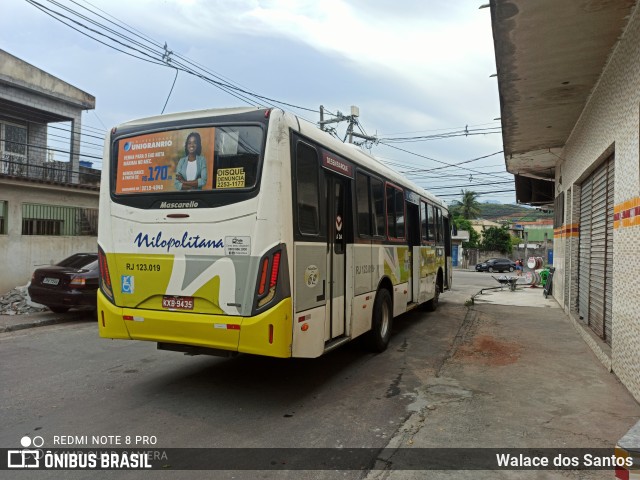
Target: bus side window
[
  {"x": 362, "y": 204},
  {"x": 423, "y": 221},
  {"x": 439, "y": 225},
  {"x": 431, "y": 222},
  {"x": 395, "y": 212},
  {"x": 307, "y": 191},
  {"x": 391, "y": 212},
  {"x": 400, "y": 215},
  {"x": 377, "y": 192}
]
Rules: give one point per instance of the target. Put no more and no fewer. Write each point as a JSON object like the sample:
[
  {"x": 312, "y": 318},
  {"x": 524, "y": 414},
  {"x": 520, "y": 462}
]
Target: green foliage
[
  {"x": 515, "y": 241},
  {"x": 497, "y": 238},
  {"x": 474, "y": 237}
]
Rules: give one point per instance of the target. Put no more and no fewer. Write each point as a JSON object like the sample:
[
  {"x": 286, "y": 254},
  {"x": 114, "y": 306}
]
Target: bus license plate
[{"x": 177, "y": 303}]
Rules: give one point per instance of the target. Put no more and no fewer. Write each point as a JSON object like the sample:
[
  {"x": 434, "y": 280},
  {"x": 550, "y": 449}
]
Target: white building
[
  {"x": 48, "y": 209},
  {"x": 569, "y": 81}
]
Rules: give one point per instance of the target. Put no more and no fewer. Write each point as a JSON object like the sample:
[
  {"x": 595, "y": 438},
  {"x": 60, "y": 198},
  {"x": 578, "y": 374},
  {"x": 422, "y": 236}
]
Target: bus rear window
[{"x": 203, "y": 159}]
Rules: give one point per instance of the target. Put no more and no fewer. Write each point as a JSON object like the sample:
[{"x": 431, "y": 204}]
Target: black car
[
  {"x": 71, "y": 283},
  {"x": 496, "y": 265}
]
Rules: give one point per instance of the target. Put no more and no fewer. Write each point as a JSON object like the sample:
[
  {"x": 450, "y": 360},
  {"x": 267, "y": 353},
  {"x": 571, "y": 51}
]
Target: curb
[
  {"x": 42, "y": 322},
  {"x": 37, "y": 323}
]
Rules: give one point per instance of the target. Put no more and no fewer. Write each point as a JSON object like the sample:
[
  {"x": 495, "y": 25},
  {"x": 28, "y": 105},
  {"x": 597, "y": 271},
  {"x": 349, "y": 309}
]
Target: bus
[{"x": 250, "y": 230}]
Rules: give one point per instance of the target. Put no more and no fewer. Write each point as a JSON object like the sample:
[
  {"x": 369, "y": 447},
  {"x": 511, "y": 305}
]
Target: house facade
[
  {"x": 569, "y": 82},
  {"x": 48, "y": 196}
]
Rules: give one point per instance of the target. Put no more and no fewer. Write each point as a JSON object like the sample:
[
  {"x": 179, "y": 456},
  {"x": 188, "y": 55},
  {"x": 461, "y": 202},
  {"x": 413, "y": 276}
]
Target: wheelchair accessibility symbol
[{"x": 127, "y": 283}]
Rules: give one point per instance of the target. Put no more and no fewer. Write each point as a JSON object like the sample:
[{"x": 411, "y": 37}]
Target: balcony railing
[{"x": 54, "y": 171}]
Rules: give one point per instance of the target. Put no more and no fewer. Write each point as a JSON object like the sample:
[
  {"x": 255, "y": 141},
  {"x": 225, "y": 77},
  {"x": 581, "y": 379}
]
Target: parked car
[
  {"x": 496, "y": 265},
  {"x": 71, "y": 283}
]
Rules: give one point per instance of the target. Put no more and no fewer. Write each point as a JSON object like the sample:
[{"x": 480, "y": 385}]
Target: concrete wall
[
  {"x": 609, "y": 124},
  {"x": 21, "y": 254}
]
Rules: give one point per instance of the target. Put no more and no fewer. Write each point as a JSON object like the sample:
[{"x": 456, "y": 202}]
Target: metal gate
[{"x": 595, "y": 287}]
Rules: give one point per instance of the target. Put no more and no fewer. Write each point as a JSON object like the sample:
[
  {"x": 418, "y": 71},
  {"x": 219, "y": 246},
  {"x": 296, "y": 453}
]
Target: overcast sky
[{"x": 413, "y": 67}]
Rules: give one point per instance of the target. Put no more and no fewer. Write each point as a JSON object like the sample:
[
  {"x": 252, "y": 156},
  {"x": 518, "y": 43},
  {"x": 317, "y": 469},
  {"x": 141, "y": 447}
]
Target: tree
[
  {"x": 474, "y": 237},
  {"x": 497, "y": 238},
  {"x": 469, "y": 207}
]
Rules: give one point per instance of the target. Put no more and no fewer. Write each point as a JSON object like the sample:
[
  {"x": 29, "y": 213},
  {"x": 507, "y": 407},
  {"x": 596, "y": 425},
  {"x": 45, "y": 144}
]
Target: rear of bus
[{"x": 192, "y": 240}]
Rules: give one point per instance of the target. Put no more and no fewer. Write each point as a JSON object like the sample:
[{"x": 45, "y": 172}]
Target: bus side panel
[
  {"x": 365, "y": 281},
  {"x": 308, "y": 333},
  {"x": 397, "y": 266},
  {"x": 428, "y": 270},
  {"x": 415, "y": 273},
  {"x": 362, "y": 313},
  {"x": 365, "y": 269},
  {"x": 311, "y": 287}
]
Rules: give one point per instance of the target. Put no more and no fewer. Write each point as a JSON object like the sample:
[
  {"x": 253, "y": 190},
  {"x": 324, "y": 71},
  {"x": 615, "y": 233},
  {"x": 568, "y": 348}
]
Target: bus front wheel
[{"x": 380, "y": 334}]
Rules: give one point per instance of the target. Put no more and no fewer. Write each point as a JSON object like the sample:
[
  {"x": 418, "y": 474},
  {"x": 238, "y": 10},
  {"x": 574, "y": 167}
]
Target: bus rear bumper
[{"x": 269, "y": 333}]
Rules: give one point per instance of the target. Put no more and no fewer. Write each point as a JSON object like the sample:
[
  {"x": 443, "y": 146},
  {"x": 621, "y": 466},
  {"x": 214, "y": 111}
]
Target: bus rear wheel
[
  {"x": 378, "y": 338},
  {"x": 432, "y": 304}
]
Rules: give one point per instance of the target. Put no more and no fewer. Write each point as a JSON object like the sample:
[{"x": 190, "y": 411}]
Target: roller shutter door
[
  {"x": 608, "y": 288},
  {"x": 585, "y": 249},
  {"x": 596, "y": 250}
]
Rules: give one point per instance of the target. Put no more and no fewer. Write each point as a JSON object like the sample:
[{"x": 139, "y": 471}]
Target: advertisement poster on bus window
[{"x": 176, "y": 160}]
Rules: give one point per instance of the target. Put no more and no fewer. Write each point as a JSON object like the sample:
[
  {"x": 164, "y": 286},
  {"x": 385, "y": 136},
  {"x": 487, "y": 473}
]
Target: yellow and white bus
[{"x": 250, "y": 230}]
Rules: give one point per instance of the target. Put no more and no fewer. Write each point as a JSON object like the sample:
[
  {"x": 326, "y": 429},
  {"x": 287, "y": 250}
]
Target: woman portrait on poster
[{"x": 191, "y": 172}]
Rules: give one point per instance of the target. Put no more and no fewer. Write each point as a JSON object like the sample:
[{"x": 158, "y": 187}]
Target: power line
[
  {"x": 433, "y": 159},
  {"x": 155, "y": 55},
  {"x": 438, "y": 129},
  {"x": 456, "y": 164},
  {"x": 456, "y": 133},
  {"x": 469, "y": 186},
  {"x": 49, "y": 149},
  {"x": 170, "y": 91}
]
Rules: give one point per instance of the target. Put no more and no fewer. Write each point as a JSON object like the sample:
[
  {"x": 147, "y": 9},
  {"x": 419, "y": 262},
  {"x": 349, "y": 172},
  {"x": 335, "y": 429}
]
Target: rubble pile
[{"x": 17, "y": 302}]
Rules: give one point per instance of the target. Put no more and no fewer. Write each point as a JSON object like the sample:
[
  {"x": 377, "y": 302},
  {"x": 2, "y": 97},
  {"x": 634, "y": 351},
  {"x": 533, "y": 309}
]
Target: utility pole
[
  {"x": 339, "y": 118},
  {"x": 353, "y": 121}
]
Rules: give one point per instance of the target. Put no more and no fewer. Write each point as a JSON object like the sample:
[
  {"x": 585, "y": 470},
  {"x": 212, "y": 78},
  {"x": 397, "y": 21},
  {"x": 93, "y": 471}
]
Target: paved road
[
  {"x": 509, "y": 372},
  {"x": 64, "y": 380}
]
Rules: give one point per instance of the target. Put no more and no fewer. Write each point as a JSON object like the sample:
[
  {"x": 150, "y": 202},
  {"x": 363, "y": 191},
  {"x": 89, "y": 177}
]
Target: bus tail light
[
  {"x": 105, "y": 277},
  {"x": 268, "y": 276},
  {"x": 274, "y": 270},
  {"x": 263, "y": 275},
  {"x": 270, "y": 264}
]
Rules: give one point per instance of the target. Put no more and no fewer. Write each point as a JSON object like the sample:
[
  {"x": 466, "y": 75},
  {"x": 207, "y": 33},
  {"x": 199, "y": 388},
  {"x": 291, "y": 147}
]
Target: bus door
[{"x": 338, "y": 223}]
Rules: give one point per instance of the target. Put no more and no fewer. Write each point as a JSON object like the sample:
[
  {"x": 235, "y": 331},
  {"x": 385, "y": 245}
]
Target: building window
[
  {"x": 58, "y": 220},
  {"x": 13, "y": 148},
  {"x": 3, "y": 217}
]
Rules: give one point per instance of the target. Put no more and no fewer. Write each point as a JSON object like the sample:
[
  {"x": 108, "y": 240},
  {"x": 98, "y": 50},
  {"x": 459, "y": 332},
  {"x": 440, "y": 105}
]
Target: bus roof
[
  {"x": 364, "y": 159},
  {"x": 191, "y": 114},
  {"x": 307, "y": 128}
]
